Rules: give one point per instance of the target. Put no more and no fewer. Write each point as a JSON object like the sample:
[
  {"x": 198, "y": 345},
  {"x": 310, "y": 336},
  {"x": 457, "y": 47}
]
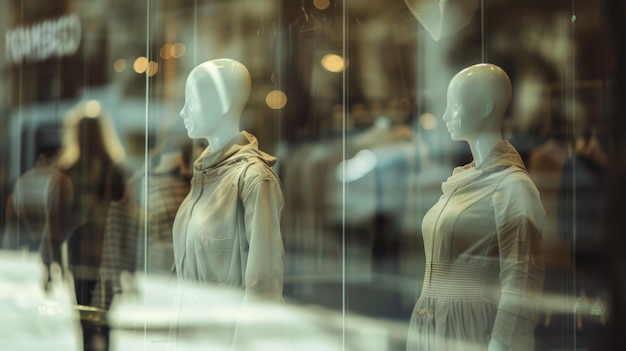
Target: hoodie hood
[
  {"x": 502, "y": 156},
  {"x": 242, "y": 145}
]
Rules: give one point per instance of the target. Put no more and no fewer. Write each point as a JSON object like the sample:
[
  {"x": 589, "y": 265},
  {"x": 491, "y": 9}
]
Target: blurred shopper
[
  {"x": 90, "y": 157},
  {"x": 36, "y": 210},
  {"x": 138, "y": 232},
  {"x": 580, "y": 211}
]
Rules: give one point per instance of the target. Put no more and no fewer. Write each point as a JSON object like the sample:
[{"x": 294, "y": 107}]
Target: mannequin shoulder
[
  {"x": 259, "y": 178},
  {"x": 516, "y": 179},
  {"x": 517, "y": 192},
  {"x": 258, "y": 171}
]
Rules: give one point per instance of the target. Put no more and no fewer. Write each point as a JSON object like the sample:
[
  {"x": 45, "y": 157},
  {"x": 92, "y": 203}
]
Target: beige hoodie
[{"x": 227, "y": 231}]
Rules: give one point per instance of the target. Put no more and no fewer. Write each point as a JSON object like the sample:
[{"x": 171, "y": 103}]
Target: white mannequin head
[
  {"x": 477, "y": 99},
  {"x": 216, "y": 93}
]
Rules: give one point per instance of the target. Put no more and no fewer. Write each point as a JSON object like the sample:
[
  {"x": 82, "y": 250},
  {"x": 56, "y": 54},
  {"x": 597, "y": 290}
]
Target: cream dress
[{"x": 484, "y": 263}]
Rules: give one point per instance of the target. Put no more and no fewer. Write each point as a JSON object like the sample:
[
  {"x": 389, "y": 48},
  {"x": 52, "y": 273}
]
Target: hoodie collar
[
  {"x": 240, "y": 146},
  {"x": 502, "y": 156}
]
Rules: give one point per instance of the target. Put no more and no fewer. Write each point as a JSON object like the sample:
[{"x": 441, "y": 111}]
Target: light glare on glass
[
  {"x": 93, "y": 108},
  {"x": 119, "y": 65},
  {"x": 357, "y": 167},
  {"x": 177, "y": 50},
  {"x": 276, "y": 99},
  {"x": 141, "y": 64},
  {"x": 333, "y": 63}
]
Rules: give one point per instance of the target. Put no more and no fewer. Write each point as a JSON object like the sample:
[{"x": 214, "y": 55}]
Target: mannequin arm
[
  {"x": 263, "y": 207},
  {"x": 519, "y": 217}
]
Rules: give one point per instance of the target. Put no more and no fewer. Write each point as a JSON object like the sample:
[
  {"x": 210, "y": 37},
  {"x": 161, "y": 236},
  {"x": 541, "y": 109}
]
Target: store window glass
[{"x": 308, "y": 174}]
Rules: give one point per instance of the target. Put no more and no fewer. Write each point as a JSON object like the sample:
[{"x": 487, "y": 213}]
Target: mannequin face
[
  {"x": 477, "y": 99},
  {"x": 462, "y": 115},
  {"x": 200, "y": 117},
  {"x": 216, "y": 92}
]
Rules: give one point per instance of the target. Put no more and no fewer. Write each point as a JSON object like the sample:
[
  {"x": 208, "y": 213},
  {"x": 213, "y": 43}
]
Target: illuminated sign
[{"x": 43, "y": 40}]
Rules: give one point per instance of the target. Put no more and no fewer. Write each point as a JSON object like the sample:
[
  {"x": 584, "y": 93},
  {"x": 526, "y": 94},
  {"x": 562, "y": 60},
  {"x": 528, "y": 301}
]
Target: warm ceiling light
[
  {"x": 141, "y": 64},
  {"x": 166, "y": 51},
  {"x": 321, "y": 4},
  {"x": 177, "y": 50},
  {"x": 153, "y": 67},
  {"x": 333, "y": 63},
  {"x": 276, "y": 99}
]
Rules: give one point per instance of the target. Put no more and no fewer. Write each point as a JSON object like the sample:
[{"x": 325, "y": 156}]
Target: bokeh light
[
  {"x": 119, "y": 65},
  {"x": 153, "y": 67},
  {"x": 276, "y": 99},
  {"x": 177, "y": 50},
  {"x": 166, "y": 51},
  {"x": 333, "y": 63},
  {"x": 428, "y": 121},
  {"x": 93, "y": 108},
  {"x": 321, "y": 4},
  {"x": 141, "y": 64}
]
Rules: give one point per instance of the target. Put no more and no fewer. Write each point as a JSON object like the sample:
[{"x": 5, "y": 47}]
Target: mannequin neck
[
  {"x": 482, "y": 145},
  {"x": 221, "y": 136}
]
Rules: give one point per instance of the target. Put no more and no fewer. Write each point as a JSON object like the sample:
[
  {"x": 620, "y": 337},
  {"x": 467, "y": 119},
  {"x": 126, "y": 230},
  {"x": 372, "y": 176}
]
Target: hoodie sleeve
[
  {"x": 519, "y": 220},
  {"x": 263, "y": 203}
]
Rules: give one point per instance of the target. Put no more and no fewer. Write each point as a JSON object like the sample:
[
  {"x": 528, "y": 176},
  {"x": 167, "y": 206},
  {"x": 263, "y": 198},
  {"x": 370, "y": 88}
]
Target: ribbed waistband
[{"x": 448, "y": 280}]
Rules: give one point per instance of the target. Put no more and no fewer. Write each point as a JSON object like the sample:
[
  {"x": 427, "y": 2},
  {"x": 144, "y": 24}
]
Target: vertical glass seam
[
  {"x": 344, "y": 189},
  {"x": 146, "y": 173}
]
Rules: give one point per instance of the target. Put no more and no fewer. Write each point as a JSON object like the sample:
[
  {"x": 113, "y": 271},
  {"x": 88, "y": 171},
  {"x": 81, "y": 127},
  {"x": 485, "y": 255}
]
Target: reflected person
[
  {"x": 227, "y": 231},
  {"x": 91, "y": 158},
  {"x": 138, "y": 230},
  {"x": 482, "y": 239},
  {"x": 36, "y": 210},
  {"x": 98, "y": 179}
]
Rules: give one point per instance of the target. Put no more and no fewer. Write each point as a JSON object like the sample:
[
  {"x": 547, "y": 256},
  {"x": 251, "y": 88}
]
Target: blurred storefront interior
[{"x": 348, "y": 96}]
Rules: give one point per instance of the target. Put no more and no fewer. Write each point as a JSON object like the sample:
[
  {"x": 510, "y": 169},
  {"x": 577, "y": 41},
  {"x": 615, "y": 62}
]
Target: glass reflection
[{"x": 347, "y": 95}]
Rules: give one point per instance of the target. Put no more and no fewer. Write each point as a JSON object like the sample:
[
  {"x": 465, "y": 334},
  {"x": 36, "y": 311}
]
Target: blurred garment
[
  {"x": 37, "y": 211},
  {"x": 484, "y": 263},
  {"x": 95, "y": 188},
  {"x": 580, "y": 211},
  {"x": 118, "y": 252},
  {"x": 165, "y": 193},
  {"x": 545, "y": 168},
  {"x": 126, "y": 234}
]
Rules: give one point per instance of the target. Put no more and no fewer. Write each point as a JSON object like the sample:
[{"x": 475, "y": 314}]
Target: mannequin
[
  {"x": 227, "y": 231},
  {"x": 482, "y": 239}
]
